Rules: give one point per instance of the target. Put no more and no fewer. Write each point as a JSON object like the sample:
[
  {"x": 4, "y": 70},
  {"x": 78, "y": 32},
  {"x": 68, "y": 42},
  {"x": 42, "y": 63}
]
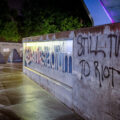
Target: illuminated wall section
[{"x": 51, "y": 54}]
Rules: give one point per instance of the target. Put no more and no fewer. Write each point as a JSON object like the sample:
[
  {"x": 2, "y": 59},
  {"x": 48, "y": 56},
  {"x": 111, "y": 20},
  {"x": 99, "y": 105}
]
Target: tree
[
  {"x": 45, "y": 16},
  {"x": 10, "y": 32},
  {"x": 41, "y": 17},
  {"x": 8, "y": 23},
  {"x": 4, "y": 13},
  {"x": 71, "y": 23}
]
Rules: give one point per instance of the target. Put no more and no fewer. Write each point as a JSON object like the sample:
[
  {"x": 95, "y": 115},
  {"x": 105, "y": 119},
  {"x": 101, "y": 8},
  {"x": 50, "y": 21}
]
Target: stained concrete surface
[{"x": 23, "y": 99}]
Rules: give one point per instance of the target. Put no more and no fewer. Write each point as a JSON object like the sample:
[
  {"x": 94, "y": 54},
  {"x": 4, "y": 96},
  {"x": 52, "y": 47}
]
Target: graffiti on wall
[
  {"x": 51, "y": 54},
  {"x": 97, "y": 56}
]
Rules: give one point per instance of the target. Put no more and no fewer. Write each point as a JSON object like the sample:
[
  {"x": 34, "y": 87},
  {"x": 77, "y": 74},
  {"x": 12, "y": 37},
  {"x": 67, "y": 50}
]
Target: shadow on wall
[
  {"x": 2, "y": 60},
  {"x": 14, "y": 57}
]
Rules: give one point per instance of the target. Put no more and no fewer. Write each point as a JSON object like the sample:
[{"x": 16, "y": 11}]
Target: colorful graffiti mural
[{"x": 52, "y": 54}]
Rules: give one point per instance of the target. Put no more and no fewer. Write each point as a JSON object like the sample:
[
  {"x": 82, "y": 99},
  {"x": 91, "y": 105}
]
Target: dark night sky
[
  {"x": 15, "y": 4},
  {"x": 61, "y": 4}
]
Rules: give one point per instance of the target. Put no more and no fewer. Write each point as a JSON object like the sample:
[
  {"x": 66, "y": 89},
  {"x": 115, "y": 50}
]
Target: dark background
[{"x": 22, "y": 18}]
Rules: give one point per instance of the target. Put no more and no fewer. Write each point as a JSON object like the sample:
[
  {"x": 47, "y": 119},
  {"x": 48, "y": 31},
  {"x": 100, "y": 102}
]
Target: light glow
[
  {"x": 6, "y": 50},
  {"x": 66, "y": 46},
  {"x": 106, "y": 12}
]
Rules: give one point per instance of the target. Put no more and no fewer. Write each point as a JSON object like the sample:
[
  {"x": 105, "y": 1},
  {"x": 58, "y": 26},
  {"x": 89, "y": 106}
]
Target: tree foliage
[
  {"x": 45, "y": 16},
  {"x": 10, "y": 32},
  {"x": 41, "y": 17},
  {"x": 71, "y": 23},
  {"x": 8, "y": 25}
]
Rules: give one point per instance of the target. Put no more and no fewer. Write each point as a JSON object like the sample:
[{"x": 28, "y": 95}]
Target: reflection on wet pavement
[{"x": 22, "y": 99}]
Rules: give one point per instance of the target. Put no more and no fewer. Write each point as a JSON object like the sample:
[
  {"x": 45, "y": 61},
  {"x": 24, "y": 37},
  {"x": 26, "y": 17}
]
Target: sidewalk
[{"x": 23, "y": 99}]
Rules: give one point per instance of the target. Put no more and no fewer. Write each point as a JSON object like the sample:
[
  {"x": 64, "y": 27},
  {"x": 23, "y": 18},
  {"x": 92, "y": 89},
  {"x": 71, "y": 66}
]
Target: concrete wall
[
  {"x": 97, "y": 67},
  {"x": 93, "y": 87},
  {"x": 6, "y": 47},
  {"x": 52, "y": 77}
]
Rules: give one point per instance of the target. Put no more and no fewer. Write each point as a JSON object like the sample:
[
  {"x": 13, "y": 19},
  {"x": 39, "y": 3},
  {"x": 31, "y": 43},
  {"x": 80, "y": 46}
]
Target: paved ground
[{"x": 22, "y": 99}]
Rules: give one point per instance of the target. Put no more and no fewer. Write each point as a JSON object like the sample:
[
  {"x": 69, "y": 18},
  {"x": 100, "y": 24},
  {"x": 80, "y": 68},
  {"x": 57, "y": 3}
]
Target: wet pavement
[{"x": 22, "y": 99}]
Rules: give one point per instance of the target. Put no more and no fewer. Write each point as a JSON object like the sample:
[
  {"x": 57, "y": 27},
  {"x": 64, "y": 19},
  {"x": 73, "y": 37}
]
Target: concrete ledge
[
  {"x": 62, "y": 77},
  {"x": 53, "y": 86}
]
